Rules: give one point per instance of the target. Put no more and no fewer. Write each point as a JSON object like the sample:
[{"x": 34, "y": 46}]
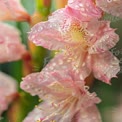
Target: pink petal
[
  {"x": 7, "y": 90},
  {"x": 59, "y": 69},
  {"x": 58, "y": 87},
  {"x": 91, "y": 114},
  {"x": 105, "y": 66},
  {"x": 63, "y": 98},
  {"x": 13, "y": 10},
  {"x": 86, "y": 9},
  {"x": 104, "y": 37},
  {"x": 45, "y": 34},
  {"x": 113, "y": 7},
  {"x": 59, "y": 31},
  {"x": 11, "y": 48},
  {"x": 54, "y": 85}
]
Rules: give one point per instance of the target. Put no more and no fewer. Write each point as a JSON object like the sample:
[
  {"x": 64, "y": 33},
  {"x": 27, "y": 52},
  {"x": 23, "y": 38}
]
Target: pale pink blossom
[
  {"x": 84, "y": 44},
  {"x": 13, "y": 10},
  {"x": 8, "y": 89},
  {"x": 11, "y": 48},
  {"x": 113, "y": 7},
  {"x": 90, "y": 114},
  {"x": 64, "y": 100},
  {"x": 84, "y": 9}
]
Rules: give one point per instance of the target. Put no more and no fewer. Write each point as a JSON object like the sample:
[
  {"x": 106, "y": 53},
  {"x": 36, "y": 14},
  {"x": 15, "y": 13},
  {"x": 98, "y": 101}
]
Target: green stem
[{"x": 43, "y": 7}]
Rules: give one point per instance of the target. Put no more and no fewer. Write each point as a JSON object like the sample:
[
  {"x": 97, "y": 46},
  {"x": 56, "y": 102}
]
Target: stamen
[
  {"x": 52, "y": 121},
  {"x": 36, "y": 106},
  {"x": 40, "y": 100},
  {"x": 39, "y": 121}
]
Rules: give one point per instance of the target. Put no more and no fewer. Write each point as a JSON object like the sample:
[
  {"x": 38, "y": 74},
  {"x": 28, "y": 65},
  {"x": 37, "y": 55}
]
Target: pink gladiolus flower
[
  {"x": 11, "y": 48},
  {"x": 7, "y": 90},
  {"x": 113, "y": 7},
  {"x": 64, "y": 100},
  {"x": 85, "y": 44},
  {"x": 85, "y": 10},
  {"x": 91, "y": 114},
  {"x": 13, "y": 10}
]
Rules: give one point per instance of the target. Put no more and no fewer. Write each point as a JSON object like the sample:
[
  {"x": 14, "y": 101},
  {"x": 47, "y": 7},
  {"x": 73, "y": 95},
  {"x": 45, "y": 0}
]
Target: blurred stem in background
[
  {"x": 60, "y": 3},
  {"x": 38, "y": 54},
  {"x": 33, "y": 61}
]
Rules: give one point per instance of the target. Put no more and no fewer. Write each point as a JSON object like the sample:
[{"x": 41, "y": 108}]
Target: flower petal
[
  {"x": 11, "y": 48},
  {"x": 105, "y": 66},
  {"x": 59, "y": 69},
  {"x": 58, "y": 31},
  {"x": 45, "y": 34},
  {"x": 113, "y": 7},
  {"x": 104, "y": 37},
  {"x": 7, "y": 90},
  {"x": 86, "y": 9},
  {"x": 13, "y": 10},
  {"x": 91, "y": 114},
  {"x": 60, "y": 92}
]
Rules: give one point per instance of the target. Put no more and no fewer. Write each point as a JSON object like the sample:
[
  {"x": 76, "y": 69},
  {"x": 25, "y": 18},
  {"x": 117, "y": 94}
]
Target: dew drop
[
  {"x": 33, "y": 36},
  {"x": 68, "y": 61},
  {"x": 40, "y": 29},
  {"x": 87, "y": 87},
  {"x": 50, "y": 26},
  {"x": 71, "y": 1},
  {"x": 60, "y": 62},
  {"x": 28, "y": 78},
  {"x": 81, "y": 77},
  {"x": 77, "y": 71},
  {"x": 51, "y": 68},
  {"x": 36, "y": 89},
  {"x": 109, "y": 1},
  {"x": 81, "y": 5},
  {"x": 27, "y": 86},
  {"x": 83, "y": 64},
  {"x": 76, "y": 6},
  {"x": 84, "y": 115},
  {"x": 54, "y": 64}
]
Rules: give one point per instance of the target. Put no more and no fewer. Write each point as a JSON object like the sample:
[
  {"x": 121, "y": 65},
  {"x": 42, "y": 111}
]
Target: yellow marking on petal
[
  {"x": 52, "y": 121},
  {"x": 77, "y": 33},
  {"x": 77, "y": 36},
  {"x": 40, "y": 100},
  {"x": 55, "y": 105},
  {"x": 36, "y": 106},
  {"x": 39, "y": 121},
  {"x": 59, "y": 87}
]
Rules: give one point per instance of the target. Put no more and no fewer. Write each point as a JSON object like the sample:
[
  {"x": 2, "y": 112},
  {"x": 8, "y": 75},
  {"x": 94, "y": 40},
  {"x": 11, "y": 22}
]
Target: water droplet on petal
[
  {"x": 28, "y": 78},
  {"x": 71, "y": 1},
  {"x": 27, "y": 86},
  {"x": 51, "y": 68},
  {"x": 40, "y": 29},
  {"x": 84, "y": 115},
  {"x": 33, "y": 36},
  {"x": 81, "y": 77},
  {"x": 87, "y": 87},
  {"x": 83, "y": 64},
  {"x": 60, "y": 62},
  {"x": 81, "y": 5},
  {"x": 76, "y": 6},
  {"x": 54, "y": 64}
]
